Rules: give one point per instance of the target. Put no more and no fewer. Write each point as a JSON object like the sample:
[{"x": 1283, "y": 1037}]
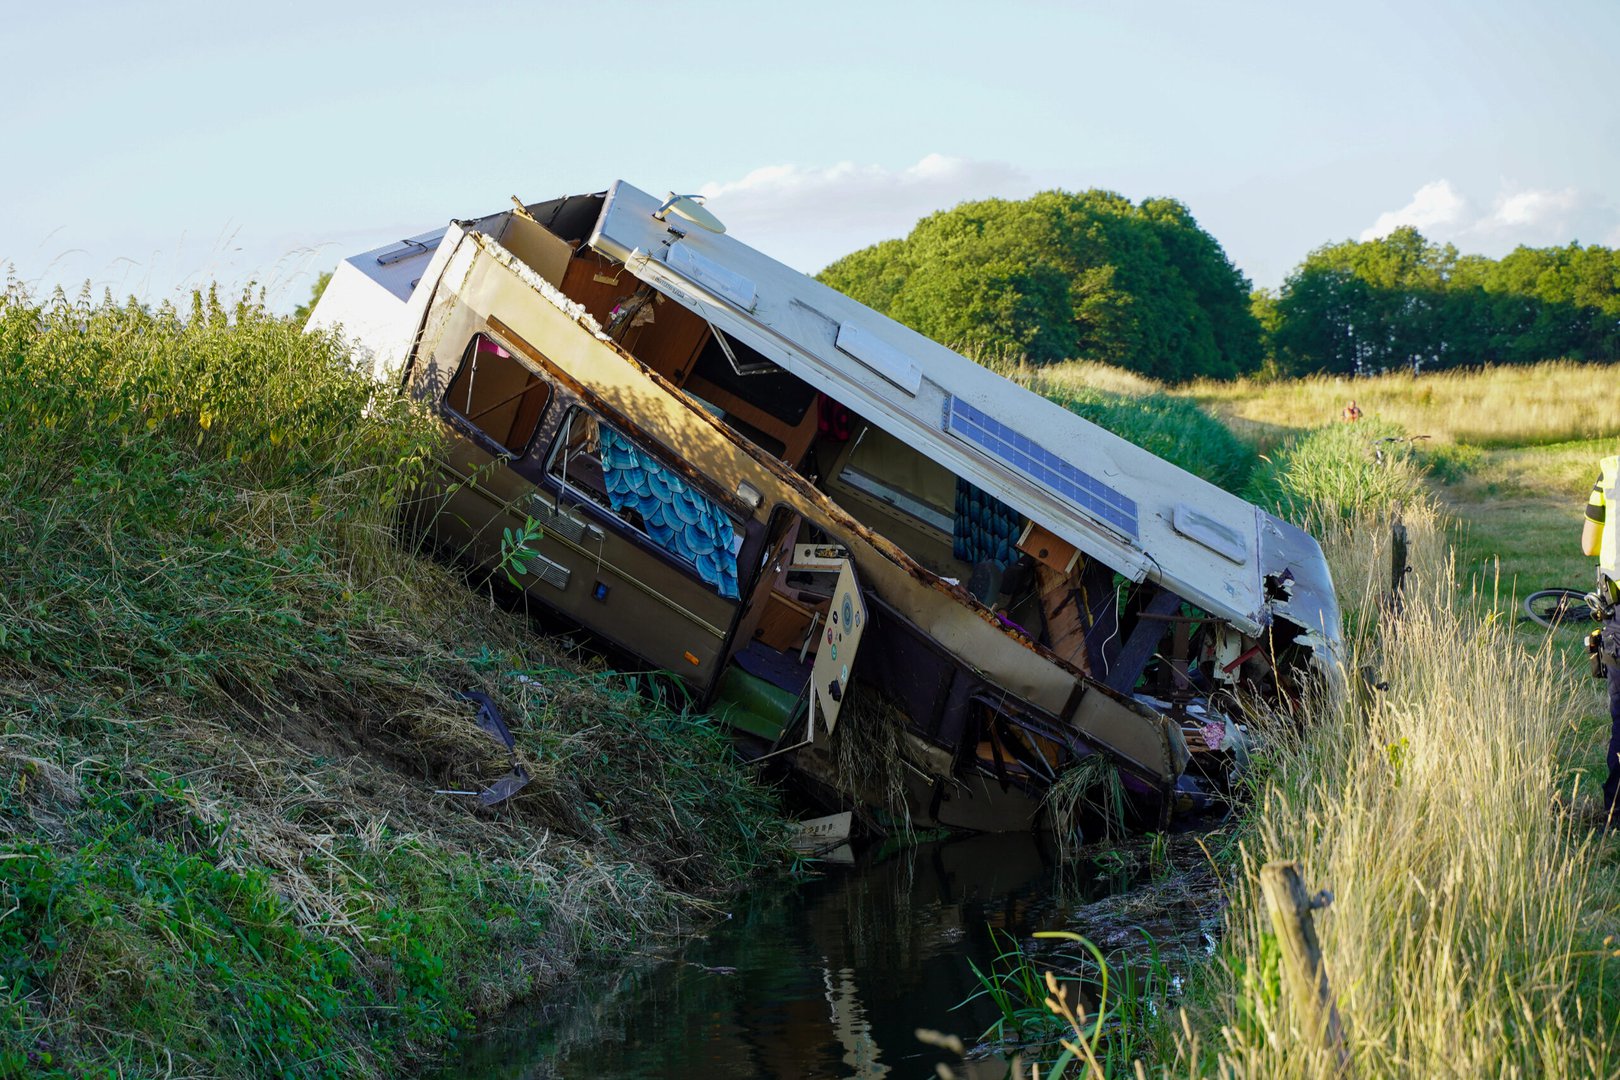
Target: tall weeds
[
  {"x": 1336, "y": 473},
  {"x": 1513, "y": 405},
  {"x": 1465, "y": 937},
  {"x": 227, "y": 724}
]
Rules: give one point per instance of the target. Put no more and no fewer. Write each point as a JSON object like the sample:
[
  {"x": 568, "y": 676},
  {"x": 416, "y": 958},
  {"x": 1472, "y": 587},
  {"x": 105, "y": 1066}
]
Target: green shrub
[
  {"x": 1338, "y": 472},
  {"x": 1174, "y": 428}
]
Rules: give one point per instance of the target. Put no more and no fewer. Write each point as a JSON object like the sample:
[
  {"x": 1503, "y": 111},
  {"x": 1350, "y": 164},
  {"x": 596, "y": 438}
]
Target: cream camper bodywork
[{"x": 798, "y": 505}]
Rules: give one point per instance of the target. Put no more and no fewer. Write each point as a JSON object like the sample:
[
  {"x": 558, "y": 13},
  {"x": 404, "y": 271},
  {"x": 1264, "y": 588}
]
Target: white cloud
[
  {"x": 1530, "y": 209},
  {"x": 1435, "y": 205},
  {"x": 1537, "y": 217},
  {"x": 808, "y": 216}
]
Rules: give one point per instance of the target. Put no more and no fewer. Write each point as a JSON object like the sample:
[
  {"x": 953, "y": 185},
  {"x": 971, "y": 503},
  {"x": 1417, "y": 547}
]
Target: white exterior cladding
[{"x": 905, "y": 382}]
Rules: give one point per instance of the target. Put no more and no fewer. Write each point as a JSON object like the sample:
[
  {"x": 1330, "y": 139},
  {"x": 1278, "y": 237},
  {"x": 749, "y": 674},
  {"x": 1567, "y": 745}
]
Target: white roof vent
[{"x": 880, "y": 356}]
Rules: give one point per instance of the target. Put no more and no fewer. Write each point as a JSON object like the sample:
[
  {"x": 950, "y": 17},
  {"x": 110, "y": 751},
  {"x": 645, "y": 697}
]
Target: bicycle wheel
[{"x": 1553, "y": 607}]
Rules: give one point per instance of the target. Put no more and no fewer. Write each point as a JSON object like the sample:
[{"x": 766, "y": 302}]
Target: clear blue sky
[{"x": 151, "y": 147}]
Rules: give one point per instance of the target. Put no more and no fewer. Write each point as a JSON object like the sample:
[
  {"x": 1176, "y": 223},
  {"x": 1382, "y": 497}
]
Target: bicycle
[
  {"x": 1378, "y": 444},
  {"x": 1554, "y": 607}
]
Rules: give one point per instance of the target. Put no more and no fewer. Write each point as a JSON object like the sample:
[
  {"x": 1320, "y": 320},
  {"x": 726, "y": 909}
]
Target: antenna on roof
[{"x": 689, "y": 208}]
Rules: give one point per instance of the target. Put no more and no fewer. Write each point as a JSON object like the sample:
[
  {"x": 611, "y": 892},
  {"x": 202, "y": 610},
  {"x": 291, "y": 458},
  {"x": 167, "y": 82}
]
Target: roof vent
[
  {"x": 880, "y": 356},
  {"x": 1200, "y": 528}
]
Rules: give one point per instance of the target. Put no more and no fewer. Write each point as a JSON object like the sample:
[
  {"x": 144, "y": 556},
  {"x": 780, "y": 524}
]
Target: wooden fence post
[
  {"x": 1303, "y": 971},
  {"x": 1398, "y": 566}
]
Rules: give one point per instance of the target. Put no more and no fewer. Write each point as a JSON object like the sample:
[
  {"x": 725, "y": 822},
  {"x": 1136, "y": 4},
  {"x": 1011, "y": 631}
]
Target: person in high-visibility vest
[{"x": 1600, "y": 540}]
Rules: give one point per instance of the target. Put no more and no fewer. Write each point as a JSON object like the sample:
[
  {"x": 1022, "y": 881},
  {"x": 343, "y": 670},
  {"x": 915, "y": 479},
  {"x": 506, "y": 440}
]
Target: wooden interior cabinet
[{"x": 786, "y": 621}]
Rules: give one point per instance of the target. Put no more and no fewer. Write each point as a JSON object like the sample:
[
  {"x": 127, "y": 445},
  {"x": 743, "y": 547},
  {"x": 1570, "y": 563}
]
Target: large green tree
[
  {"x": 1066, "y": 275},
  {"x": 1401, "y": 301}
]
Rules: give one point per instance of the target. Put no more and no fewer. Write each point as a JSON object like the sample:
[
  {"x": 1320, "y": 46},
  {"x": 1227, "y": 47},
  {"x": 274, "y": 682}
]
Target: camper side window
[
  {"x": 894, "y": 472},
  {"x": 603, "y": 464},
  {"x": 494, "y": 392}
]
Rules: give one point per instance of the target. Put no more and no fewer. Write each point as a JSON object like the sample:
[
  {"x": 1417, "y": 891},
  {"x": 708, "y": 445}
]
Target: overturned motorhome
[{"x": 795, "y": 504}]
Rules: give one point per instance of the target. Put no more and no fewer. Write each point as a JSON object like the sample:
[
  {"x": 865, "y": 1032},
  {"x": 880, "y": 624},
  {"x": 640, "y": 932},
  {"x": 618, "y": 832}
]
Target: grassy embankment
[
  {"x": 225, "y": 706},
  {"x": 1474, "y": 924}
]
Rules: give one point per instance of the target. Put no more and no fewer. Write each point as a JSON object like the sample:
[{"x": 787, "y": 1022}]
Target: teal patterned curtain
[
  {"x": 680, "y": 520},
  {"x": 985, "y": 528}
]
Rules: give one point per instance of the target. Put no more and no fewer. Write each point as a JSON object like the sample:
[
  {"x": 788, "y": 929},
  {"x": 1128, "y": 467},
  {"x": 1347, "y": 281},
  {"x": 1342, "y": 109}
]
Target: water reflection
[{"x": 826, "y": 978}]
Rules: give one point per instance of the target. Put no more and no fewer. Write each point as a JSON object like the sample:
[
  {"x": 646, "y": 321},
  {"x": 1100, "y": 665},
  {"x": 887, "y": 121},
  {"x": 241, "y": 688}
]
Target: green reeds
[
  {"x": 1089, "y": 791},
  {"x": 1096, "y": 1015},
  {"x": 1467, "y": 936},
  {"x": 869, "y": 753}
]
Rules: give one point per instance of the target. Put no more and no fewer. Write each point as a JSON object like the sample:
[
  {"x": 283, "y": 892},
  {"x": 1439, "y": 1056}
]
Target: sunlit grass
[
  {"x": 1476, "y": 917},
  {"x": 1467, "y": 935},
  {"x": 1553, "y": 402},
  {"x": 227, "y": 714}
]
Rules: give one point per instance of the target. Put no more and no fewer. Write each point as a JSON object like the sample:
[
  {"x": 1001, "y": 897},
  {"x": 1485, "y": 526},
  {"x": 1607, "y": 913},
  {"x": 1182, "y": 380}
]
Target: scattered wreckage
[{"x": 805, "y": 511}]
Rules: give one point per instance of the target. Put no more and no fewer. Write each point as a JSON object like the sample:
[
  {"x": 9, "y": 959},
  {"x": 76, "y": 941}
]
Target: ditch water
[{"x": 831, "y": 977}]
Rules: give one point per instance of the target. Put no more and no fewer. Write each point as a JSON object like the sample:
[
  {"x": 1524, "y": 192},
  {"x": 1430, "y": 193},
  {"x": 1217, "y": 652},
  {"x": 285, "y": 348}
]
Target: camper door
[{"x": 841, "y": 639}]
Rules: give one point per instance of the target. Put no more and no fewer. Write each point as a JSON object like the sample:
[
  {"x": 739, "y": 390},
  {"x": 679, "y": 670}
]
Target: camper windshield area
[{"x": 602, "y": 464}]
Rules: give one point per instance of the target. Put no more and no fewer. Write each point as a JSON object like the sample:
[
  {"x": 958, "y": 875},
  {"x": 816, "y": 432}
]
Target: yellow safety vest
[{"x": 1609, "y": 546}]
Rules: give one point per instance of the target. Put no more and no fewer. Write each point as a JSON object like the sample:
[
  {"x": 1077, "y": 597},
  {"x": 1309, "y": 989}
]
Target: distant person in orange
[{"x": 1351, "y": 412}]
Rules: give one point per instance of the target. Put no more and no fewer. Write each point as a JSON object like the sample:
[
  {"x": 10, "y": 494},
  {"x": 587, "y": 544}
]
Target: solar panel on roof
[{"x": 1032, "y": 460}]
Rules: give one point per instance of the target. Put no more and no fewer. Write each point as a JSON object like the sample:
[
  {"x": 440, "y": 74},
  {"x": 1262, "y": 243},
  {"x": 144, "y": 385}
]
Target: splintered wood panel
[
  {"x": 667, "y": 344},
  {"x": 548, "y": 255},
  {"x": 1064, "y": 607},
  {"x": 670, "y": 342}
]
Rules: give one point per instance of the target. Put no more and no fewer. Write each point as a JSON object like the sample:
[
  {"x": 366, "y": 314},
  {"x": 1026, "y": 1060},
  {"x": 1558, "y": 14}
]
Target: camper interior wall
[
  {"x": 888, "y": 486},
  {"x": 545, "y": 254},
  {"x": 880, "y": 480}
]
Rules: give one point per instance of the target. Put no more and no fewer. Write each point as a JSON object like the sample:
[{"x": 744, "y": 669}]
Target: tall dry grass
[
  {"x": 1466, "y": 937},
  {"x": 1084, "y": 374},
  {"x": 1522, "y": 405}
]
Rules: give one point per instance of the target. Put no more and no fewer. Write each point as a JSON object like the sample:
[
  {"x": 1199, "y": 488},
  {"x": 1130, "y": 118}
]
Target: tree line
[
  {"x": 1401, "y": 301},
  {"x": 1092, "y": 275}
]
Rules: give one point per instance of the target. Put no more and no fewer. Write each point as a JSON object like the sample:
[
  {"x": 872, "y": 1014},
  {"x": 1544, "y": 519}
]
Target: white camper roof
[{"x": 1115, "y": 501}]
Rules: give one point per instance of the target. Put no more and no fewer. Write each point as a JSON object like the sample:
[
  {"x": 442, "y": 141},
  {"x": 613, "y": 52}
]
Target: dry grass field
[{"x": 1532, "y": 405}]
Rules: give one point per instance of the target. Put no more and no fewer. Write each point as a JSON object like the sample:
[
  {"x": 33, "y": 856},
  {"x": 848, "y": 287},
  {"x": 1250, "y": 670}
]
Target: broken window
[
  {"x": 494, "y": 392},
  {"x": 895, "y": 473},
  {"x": 607, "y": 467}
]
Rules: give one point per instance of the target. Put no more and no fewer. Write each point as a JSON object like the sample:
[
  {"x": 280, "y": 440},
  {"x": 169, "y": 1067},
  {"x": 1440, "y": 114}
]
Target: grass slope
[
  {"x": 225, "y": 706},
  {"x": 1474, "y": 918}
]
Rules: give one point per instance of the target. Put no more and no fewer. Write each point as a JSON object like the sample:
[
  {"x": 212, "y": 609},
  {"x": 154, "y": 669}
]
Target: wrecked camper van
[{"x": 806, "y": 511}]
